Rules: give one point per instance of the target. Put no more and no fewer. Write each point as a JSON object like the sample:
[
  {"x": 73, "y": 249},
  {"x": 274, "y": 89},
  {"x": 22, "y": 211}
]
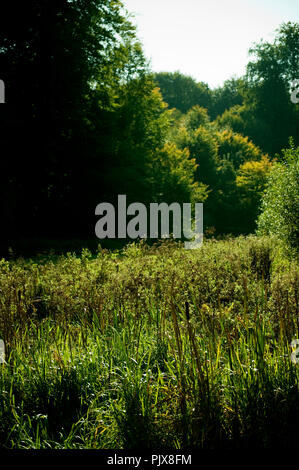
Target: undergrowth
[{"x": 151, "y": 347}]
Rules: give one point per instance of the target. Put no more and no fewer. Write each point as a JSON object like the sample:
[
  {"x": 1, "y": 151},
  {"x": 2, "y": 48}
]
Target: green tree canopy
[
  {"x": 268, "y": 77},
  {"x": 183, "y": 92},
  {"x": 227, "y": 96}
]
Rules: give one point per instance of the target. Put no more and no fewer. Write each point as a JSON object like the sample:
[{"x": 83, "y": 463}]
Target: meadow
[{"x": 151, "y": 347}]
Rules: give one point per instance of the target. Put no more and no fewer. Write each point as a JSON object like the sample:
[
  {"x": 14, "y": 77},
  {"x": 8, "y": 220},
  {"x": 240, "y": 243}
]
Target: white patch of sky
[{"x": 206, "y": 39}]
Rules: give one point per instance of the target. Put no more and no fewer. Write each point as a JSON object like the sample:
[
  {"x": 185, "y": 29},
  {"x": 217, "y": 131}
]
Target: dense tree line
[
  {"x": 86, "y": 120},
  {"x": 257, "y": 105},
  {"x": 239, "y": 128}
]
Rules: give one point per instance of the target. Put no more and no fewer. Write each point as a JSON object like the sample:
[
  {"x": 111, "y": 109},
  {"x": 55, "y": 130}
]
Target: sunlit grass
[{"x": 151, "y": 347}]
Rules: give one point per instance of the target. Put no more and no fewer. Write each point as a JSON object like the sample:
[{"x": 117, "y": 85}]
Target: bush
[{"x": 280, "y": 204}]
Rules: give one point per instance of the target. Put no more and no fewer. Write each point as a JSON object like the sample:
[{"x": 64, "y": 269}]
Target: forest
[
  {"x": 85, "y": 120},
  {"x": 121, "y": 344}
]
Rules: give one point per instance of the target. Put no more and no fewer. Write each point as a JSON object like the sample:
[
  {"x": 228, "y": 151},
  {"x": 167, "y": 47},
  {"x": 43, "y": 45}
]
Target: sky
[{"x": 206, "y": 39}]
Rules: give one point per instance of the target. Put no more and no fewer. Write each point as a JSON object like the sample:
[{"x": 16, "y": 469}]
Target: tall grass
[{"x": 151, "y": 347}]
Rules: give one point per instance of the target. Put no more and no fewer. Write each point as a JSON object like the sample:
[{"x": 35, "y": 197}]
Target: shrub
[{"x": 280, "y": 203}]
